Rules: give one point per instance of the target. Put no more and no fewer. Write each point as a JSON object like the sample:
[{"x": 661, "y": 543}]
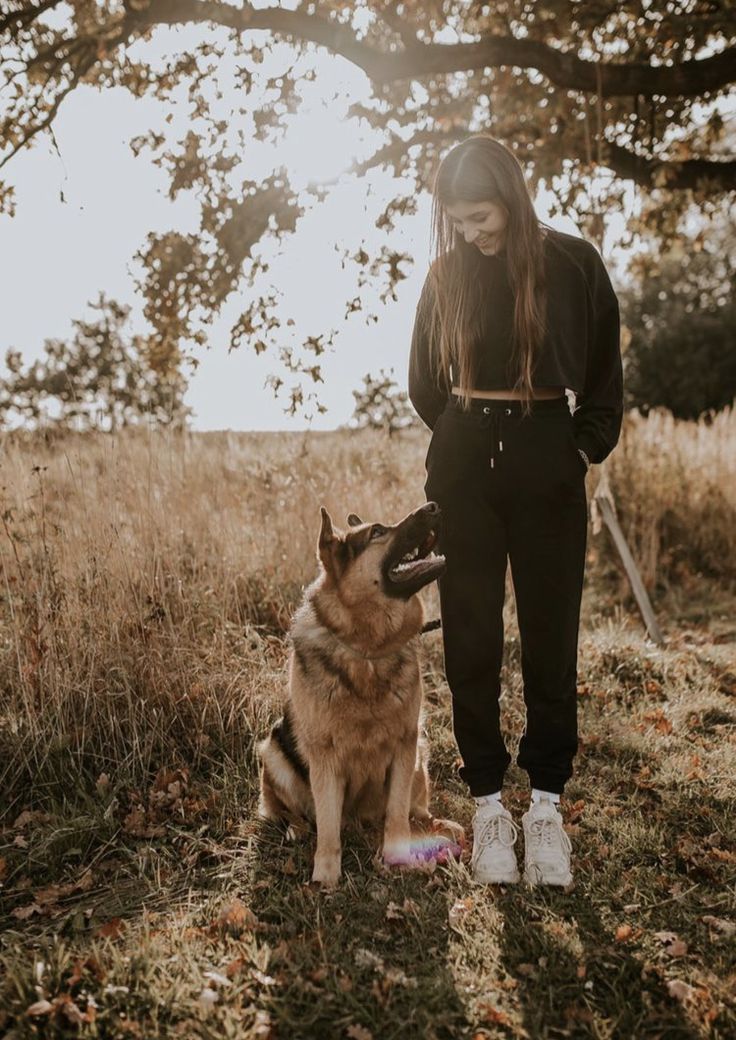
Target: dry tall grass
[
  {"x": 148, "y": 578},
  {"x": 675, "y": 484}
]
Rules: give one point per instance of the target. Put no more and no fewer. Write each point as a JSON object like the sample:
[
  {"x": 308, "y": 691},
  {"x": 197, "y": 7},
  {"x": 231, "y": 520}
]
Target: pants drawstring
[{"x": 494, "y": 422}]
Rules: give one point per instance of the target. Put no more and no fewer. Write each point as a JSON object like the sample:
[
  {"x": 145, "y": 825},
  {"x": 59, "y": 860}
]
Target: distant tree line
[
  {"x": 680, "y": 316},
  {"x": 103, "y": 378},
  {"x": 682, "y": 319}
]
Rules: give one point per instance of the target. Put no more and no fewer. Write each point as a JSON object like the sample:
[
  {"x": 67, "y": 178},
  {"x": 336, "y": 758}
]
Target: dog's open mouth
[{"x": 416, "y": 561}]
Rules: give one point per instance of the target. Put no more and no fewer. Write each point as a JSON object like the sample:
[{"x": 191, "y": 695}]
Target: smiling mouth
[{"x": 417, "y": 561}]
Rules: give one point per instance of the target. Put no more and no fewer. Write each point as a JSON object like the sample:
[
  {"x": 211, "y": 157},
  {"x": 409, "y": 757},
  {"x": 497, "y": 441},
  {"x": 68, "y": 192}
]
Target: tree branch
[
  {"x": 564, "y": 69},
  {"x": 21, "y": 19},
  {"x": 84, "y": 65},
  {"x": 398, "y": 24},
  {"x": 673, "y": 176}
]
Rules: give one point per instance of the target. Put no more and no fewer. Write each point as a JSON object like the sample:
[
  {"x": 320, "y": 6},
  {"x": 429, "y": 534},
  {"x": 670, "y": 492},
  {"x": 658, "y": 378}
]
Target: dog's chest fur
[{"x": 343, "y": 699}]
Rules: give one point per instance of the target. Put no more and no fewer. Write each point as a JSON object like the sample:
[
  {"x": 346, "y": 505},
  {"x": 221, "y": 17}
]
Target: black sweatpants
[{"x": 510, "y": 486}]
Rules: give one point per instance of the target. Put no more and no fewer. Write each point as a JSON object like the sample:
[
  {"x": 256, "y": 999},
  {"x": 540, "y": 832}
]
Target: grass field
[{"x": 146, "y": 586}]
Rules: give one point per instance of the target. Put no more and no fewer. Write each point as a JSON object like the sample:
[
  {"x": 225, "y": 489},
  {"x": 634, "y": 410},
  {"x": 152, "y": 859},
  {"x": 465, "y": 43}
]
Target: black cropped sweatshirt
[{"x": 581, "y": 349}]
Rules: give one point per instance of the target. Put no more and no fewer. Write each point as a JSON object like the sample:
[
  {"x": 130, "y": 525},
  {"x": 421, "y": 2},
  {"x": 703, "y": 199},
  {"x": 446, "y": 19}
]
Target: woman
[{"x": 511, "y": 314}]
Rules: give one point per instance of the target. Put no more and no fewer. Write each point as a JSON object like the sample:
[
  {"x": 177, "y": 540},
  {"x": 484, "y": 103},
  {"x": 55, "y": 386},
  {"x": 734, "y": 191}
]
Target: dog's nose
[{"x": 431, "y": 507}]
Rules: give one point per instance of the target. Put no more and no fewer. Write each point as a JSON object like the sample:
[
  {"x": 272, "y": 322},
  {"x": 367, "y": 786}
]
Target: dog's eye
[{"x": 377, "y": 530}]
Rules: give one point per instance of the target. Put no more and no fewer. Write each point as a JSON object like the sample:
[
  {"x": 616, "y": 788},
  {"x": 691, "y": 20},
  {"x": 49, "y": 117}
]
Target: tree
[
  {"x": 682, "y": 319},
  {"x": 631, "y": 91},
  {"x": 101, "y": 379},
  {"x": 381, "y": 405}
]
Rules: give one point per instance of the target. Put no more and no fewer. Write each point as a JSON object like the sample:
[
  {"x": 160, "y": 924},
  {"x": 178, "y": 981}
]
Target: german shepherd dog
[{"x": 349, "y": 742}]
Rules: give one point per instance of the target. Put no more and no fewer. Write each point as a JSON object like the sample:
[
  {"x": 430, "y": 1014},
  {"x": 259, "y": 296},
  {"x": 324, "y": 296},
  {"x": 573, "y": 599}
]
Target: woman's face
[{"x": 482, "y": 223}]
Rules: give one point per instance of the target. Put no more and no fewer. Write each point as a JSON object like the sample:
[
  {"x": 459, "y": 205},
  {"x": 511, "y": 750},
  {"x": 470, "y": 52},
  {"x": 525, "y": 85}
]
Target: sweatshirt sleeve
[
  {"x": 599, "y": 412},
  {"x": 427, "y": 397}
]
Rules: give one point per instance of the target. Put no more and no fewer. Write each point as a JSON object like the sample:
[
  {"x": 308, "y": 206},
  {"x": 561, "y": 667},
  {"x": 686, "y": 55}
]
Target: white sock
[
  {"x": 488, "y": 799},
  {"x": 537, "y": 794}
]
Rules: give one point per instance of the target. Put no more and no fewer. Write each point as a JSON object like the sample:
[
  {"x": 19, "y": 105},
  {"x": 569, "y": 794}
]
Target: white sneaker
[
  {"x": 494, "y": 832},
  {"x": 547, "y": 846}
]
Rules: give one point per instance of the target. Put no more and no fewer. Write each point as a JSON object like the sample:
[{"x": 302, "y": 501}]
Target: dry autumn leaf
[
  {"x": 673, "y": 945},
  {"x": 356, "y": 1032},
  {"x": 41, "y": 1007},
  {"x": 576, "y": 811},
  {"x": 235, "y": 918},
  {"x": 81, "y": 967},
  {"x": 490, "y": 1013},
  {"x": 112, "y": 929},
  {"x": 659, "y": 720},
  {"x": 29, "y": 816},
  {"x": 680, "y": 990},
  {"x": 726, "y": 928},
  {"x": 235, "y": 967},
  {"x": 459, "y": 911},
  {"x": 22, "y": 913},
  {"x": 724, "y": 855}
]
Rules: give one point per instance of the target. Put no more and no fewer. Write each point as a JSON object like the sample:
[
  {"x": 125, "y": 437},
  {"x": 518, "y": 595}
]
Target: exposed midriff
[{"x": 538, "y": 392}]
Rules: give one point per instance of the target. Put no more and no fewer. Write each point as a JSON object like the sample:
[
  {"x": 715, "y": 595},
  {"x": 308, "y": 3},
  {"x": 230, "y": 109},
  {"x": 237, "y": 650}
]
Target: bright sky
[{"x": 56, "y": 256}]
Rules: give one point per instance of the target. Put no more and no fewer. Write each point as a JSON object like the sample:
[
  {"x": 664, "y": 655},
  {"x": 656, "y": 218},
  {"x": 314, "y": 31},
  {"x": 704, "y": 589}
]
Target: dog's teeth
[{"x": 401, "y": 566}]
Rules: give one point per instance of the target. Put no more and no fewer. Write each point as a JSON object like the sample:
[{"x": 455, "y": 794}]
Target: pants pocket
[
  {"x": 581, "y": 467},
  {"x": 432, "y": 442}
]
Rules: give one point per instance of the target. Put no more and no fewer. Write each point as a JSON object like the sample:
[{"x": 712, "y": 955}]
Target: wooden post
[{"x": 602, "y": 505}]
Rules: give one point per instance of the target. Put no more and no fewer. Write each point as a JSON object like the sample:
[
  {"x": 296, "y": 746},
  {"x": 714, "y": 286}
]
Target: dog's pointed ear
[
  {"x": 331, "y": 549},
  {"x": 326, "y": 533},
  {"x": 354, "y": 519}
]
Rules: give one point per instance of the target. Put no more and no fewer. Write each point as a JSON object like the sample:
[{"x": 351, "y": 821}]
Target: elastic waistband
[{"x": 509, "y": 406}]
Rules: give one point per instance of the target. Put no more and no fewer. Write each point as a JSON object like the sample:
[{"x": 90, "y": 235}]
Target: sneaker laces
[
  {"x": 544, "y": 832},
  {"x": 491, "y": 831}
]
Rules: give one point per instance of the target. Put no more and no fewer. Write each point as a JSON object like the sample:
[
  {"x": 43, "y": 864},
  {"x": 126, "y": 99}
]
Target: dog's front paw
[
  {"x": 397, "y": 852},
  {"x": 326, "y": 873}
]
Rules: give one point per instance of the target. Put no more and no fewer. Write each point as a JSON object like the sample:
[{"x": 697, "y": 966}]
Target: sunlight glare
[{"x": 321, "y": 142}]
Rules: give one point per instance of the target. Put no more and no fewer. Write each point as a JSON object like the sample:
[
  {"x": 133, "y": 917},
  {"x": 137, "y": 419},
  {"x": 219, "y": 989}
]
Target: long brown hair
[{"x": 481, "y": 169}]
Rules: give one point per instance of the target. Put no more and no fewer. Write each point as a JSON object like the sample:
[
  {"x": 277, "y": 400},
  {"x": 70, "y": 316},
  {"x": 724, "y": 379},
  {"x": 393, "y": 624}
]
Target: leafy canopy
[{"x": 633, "y": 91}]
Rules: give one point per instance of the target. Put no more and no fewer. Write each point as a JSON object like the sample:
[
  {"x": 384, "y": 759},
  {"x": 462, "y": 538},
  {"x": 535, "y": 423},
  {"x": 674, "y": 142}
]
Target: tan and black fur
[{"x": 349, "y": 742}]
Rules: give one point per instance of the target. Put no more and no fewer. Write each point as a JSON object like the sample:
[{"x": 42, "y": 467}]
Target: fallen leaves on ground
[
  {"x": 459, "y": 911},
  {"x": 673, "y": 945},
  {"x": 235, "y": 918},
  {"x": 722, "y": 927},
  {"x": 356, "y": 1032},
  {"x": 46, "y": 899}
]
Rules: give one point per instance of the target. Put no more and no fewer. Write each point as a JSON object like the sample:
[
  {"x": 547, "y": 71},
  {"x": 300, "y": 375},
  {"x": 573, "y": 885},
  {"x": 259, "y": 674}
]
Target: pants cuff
[
  {"x": 480, "y": 786},
  {"x": 547, "y": 783}
]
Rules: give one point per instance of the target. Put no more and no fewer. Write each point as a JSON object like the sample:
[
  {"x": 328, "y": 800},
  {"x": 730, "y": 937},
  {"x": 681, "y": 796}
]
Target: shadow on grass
[
  {"x": 371, "y": 954},
  {"x": 589, "y": 962},
  {"x": 575, "y": 981}
]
